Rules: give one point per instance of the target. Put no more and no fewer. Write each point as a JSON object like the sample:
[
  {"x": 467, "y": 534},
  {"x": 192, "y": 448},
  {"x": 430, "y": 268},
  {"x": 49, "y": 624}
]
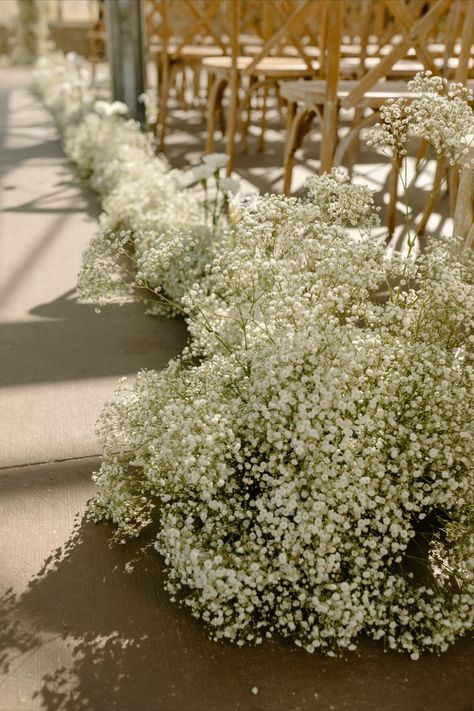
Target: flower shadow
[{"x": 124, "y": 645}]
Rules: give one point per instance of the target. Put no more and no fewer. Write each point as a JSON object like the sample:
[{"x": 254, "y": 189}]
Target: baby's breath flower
[
  {"x": 439, "y": 112},
  {"x": 317, "y": 432}
]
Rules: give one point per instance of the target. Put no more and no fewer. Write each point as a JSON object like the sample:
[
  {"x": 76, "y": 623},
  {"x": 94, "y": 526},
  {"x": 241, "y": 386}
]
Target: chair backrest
[
  {"x": 184, "y": 22},
  {"x": 412, "y": 25},
  {"x": 288, "y": 20}
]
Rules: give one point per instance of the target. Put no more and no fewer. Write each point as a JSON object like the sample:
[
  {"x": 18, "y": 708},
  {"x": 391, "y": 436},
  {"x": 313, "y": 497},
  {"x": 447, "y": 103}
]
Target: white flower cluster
[
  {"x": 63, "y": 83},
  {"x": 309, "y": 458},
  {"x": 296, "y": 470},
  {"x": 439, "y": 113},
  {"x": 155, "y": 235},
  {"x": 342, "y": 203},
  {"x": 246, "y": 290}
]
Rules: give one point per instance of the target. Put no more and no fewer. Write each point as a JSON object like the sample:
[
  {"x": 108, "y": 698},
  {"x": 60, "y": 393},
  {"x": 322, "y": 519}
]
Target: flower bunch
[
  {"x": 294, "y": 473},
  {"x": 277, "y": 244},
  {"x": 438, "y": 112},
  {"x": 64, "y": 85},
  {"x": 308, "y": 458},
  {"x": 156, "y": 236},
  {"x": 173, "y": 234}
]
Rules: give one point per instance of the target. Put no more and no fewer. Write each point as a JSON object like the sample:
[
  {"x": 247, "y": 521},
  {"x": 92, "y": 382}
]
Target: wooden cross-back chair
[
  {"x": 405, "y": 27},
  {"x": 264, "y": 66},
  {"x": 181, "y": 33},
  {"x": 295, "y": 45}
]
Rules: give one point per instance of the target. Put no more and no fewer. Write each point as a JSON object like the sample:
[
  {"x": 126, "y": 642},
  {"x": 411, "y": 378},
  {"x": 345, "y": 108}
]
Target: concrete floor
[
  {"x": 59, "y": 359},
  {"x": 84, "y": 625}
]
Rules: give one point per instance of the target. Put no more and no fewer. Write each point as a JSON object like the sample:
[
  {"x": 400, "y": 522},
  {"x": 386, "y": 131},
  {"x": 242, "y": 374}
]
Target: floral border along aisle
[{"x": 309, "y": 457}]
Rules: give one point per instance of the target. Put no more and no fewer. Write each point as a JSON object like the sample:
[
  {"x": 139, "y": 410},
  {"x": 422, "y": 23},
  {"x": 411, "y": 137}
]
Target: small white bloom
[
  {"x": 107, "y": 108},
  {"x": 229, "y": 185},
  {"x": 216, "y": 160},
  {"x": 118, "y": 107},
  {"x": 203, "y": 172}
]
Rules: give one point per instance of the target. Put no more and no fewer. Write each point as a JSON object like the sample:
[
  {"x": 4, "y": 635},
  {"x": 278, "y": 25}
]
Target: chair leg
[
  {"x": 421, "y": 152},
  {"x": 328, "y": 135},
  {"x": 290, "y": 115},
  {"x": 177, "y": 80},
  {"x": 163, "y": 114},
  {"x": 245, "y": 111},
  {"x": 440, "y": 174},
  {"x": 233, "y": 117},
  {"x": 393, "y": 195},
  {"x": 354, "y": 144},
  {"x": 263, "y": 122},
  {"x": 289, "y": 151},
  {"x": 222, "y": 119},
  {"x": 299, "y": 124},
  {"x": 156, "y": 125},
  {"x": 344, "y": 145},
  {"x": 214, "y": 103},
  {"x": 453, "y": 185},
  {"x": 182, "y": 90},
  {"x": 196, "y": 83}
]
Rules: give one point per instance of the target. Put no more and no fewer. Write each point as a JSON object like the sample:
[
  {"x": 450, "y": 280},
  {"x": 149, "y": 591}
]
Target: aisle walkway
[
  {"x": 85, "y": 626},
  {"x": 59, "y": 359}
]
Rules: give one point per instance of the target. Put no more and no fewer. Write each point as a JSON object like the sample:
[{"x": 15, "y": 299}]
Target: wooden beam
[
  {"x": 331, "y": 103},
  {"x": 235, "y": 12}
]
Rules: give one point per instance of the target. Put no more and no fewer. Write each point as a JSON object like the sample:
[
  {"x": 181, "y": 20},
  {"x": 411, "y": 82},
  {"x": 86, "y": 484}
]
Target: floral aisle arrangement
[
  {"x": 293, "y": 469},
  {"x": 155, "y": 234},
  {"x": 308, "y": 458}
]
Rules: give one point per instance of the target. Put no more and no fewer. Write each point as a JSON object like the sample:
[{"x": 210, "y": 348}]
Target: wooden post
[
  {"x": 331, "y": 103},
  {"x": 165, "y": 68},
  {"x": 123, "y": 23},
  {"x": 234, "y": 84},
  {"x": 464, "y": 213}
]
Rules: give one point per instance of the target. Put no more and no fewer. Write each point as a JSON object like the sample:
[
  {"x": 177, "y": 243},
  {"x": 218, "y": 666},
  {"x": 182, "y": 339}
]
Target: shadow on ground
[
  {"x": 71, "y": 341},
  {"x": 131, "y": 648}
]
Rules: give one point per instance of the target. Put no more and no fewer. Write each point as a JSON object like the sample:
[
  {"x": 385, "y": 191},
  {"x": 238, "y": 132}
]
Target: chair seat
[
  {"x": 195, "y": 51},
  {"x": 268, "y": 66},
  {"x": 284, "y": 51},
  {"x": 373, "y": 52},
  {"x": 347, "y": 50},
  {"x": 436, "y": 49},
  {"x": 288, "y": 67},
  {"x": 250, "y": 39},
  {"x": 313, "y": 92},
  {"x": 189, "y": 51},
  {"x": 404, "y": 68}
]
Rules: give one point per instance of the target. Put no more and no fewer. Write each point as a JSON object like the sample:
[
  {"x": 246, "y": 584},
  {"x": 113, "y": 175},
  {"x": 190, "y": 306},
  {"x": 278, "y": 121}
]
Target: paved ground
[
  {"x": 59, "y": 359},
  {"x": 85, "y": 626}
]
